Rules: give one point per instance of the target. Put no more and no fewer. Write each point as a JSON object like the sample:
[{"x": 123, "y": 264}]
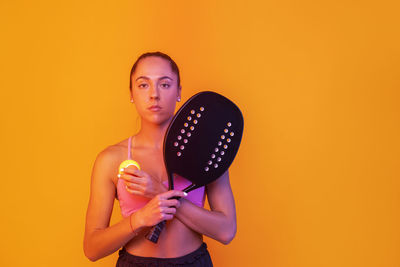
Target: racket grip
[{"x": 155, "y": 232}]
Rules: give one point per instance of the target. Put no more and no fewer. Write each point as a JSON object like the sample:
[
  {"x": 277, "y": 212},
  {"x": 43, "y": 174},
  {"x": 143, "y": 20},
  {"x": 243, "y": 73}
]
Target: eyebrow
[{"x": 147, "y": 78}]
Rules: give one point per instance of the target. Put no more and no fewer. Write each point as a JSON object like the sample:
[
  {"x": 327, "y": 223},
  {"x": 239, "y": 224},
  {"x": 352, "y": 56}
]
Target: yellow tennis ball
[{"x": 127, "y": 163}]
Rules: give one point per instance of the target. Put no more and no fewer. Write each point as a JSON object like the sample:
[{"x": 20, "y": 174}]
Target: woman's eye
[
  {"x": 142, "y": 85},
  {"x": 165, "y": 85}
]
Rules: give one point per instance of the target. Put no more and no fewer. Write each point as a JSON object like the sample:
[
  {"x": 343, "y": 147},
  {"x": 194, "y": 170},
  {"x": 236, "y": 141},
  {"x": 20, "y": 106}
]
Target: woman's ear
[{"x": 178, "y": 97}]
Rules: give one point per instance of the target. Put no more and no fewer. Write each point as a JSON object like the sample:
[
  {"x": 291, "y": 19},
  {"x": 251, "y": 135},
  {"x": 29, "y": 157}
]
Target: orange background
[{"x": 316, "y": 180}]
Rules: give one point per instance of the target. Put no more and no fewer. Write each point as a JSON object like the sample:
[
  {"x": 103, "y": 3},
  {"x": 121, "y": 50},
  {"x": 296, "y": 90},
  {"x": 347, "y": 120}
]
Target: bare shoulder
[
  {"x": 114, "y": 152},
  {"x": 108, "y": 155},
  {"x": 108, "y": 160}
]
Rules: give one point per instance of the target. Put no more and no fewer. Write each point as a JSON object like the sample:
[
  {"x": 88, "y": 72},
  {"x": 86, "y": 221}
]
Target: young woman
[{"x": 143, "y": 194}]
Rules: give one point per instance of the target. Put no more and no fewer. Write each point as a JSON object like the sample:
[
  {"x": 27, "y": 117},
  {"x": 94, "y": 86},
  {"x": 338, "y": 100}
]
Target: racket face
[{"x": 203, "y": 138}]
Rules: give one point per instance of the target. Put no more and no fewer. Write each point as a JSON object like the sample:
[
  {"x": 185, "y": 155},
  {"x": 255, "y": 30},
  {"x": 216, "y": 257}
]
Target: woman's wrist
[{"x": 135, "y": 224}]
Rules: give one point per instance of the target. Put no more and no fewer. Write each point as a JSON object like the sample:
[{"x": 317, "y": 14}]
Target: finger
[
  {"x": 129, "y": 178},
  {"x": 134, "y": 186},
  {"x": 170, "y": 210},
  {"x": 139, "y": 172},
  {"x": 171, "y": 203},
  {"x": 167, "y": 217},
  {"x": 178, "y": 204},
  {"x": 135, "y": 192},
  {"x": 134, "y": 179},
  {"x": 132, "y": 171},
  {"x": 172, "y": 193},
  {"x": 124, "y": 176},
  {"x": 167, "y": 209}
]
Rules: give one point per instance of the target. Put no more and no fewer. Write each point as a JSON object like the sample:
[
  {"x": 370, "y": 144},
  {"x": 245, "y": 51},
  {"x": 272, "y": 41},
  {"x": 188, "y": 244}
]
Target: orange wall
[{"x": 316, "y": 180}]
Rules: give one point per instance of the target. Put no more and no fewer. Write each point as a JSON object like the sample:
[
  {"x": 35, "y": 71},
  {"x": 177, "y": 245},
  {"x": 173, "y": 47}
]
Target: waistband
[{"x": 186, "y": 259}]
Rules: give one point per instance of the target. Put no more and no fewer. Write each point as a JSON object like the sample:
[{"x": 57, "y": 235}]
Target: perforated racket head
[
  {"x": 203, "y": 138},
  {"x": 201, "y": 142}
]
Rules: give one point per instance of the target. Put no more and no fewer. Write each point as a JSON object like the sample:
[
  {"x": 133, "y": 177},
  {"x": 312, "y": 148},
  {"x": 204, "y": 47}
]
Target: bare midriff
[{"x": 175, "y": 240}]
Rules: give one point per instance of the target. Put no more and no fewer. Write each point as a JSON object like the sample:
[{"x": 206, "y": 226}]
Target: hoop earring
[{"x": 179, "y": 99}]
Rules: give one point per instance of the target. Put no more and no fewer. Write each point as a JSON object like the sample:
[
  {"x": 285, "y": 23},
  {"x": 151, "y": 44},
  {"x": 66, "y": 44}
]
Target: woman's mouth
[{"x": 154, "y": 108}]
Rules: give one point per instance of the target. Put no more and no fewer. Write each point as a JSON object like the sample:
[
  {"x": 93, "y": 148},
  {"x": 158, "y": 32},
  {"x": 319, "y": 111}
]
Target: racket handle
[{"x": 155, "y": 232}]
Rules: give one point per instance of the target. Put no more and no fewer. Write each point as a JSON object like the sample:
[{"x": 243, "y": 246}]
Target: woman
[{"x": 143, "y": 194}]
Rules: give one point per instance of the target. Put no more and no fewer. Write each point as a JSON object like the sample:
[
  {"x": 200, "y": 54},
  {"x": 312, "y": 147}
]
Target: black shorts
[{"x": 200, "y": 257}]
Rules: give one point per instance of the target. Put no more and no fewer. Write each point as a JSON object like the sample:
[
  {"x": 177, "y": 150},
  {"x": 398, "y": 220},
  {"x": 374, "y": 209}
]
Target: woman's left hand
[{"x": 139, "y": 182}]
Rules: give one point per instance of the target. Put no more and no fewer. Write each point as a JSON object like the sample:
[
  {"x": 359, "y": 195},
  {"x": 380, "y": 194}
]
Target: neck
[{"x": 152, "y": 135}]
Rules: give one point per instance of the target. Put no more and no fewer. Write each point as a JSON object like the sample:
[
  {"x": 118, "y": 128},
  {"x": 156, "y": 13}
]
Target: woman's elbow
[
  {"x": 91, "y": 258},
  {"x": 228, "y": 235},
  {"x": 90, "y": 253}
]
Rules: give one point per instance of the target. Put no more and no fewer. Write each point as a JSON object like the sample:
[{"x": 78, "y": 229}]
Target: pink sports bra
[{"x": 130, "y": 203}]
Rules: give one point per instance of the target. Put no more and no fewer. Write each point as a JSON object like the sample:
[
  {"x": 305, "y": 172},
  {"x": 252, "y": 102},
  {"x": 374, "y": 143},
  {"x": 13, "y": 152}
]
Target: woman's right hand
[{"x": 158, "y": 209}]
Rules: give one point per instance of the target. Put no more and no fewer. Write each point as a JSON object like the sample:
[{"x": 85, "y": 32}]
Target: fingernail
[
  {"x": 119, "y": 175},
  {"x": 121, "y": 170},
  {"x": 185, "y": 194}
]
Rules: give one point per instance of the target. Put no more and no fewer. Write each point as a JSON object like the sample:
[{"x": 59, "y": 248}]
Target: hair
[{"x": 172, "y": 63}]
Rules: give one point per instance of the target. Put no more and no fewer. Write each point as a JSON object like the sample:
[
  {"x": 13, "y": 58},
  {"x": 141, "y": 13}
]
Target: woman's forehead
[{"x": 154, "y": 67}]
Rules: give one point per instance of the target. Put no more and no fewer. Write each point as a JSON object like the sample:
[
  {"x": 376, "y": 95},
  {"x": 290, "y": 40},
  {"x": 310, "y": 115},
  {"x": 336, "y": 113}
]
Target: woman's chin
[{"x": 158, "y": 120}]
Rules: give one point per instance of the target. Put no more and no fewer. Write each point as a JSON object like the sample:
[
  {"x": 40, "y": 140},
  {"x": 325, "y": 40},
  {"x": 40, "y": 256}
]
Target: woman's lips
[{"x": 154, "y": 108}]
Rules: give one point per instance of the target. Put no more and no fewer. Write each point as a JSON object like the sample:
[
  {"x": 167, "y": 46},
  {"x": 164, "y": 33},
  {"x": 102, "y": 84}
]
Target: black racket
[{"x": 201, "y": 142}]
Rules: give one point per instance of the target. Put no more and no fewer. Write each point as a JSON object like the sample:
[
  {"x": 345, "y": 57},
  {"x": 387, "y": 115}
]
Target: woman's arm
[
  {"x": 218, "y": 223},
  {"x": 101, "y": 240}
]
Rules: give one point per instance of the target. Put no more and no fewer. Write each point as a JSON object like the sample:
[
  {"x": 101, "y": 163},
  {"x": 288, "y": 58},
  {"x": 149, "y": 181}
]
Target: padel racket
[{"x": 201, "y": 142}]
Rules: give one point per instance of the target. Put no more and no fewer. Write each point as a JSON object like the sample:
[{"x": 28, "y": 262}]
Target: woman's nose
[{"x": 154, "y": 94}]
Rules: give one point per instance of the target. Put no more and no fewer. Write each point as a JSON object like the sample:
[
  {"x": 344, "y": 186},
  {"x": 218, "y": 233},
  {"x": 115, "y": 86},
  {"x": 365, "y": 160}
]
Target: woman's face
[{"x": 155, "y": 89}]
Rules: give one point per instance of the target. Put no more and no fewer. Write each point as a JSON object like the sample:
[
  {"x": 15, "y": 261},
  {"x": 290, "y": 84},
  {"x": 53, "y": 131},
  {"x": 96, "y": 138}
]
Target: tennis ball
[{"x": 127, "y": 163}]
